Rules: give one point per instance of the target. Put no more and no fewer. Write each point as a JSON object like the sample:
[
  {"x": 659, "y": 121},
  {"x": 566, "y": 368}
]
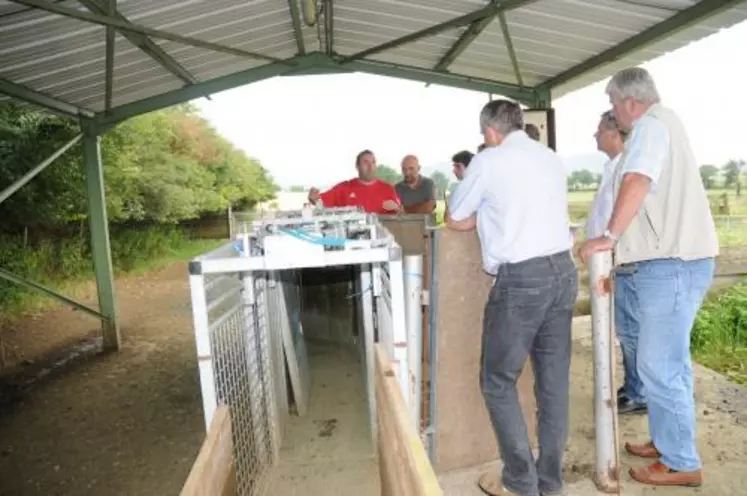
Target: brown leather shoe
[
  {"x": 491, "y": 485},
  {"x": 659, "y": 474},
  {"x": 645, "y": 450}
]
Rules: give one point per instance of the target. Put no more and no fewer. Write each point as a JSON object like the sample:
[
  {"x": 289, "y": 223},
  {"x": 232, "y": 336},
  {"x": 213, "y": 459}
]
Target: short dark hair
[
  {"x": 532, "y": 131},
  {"x": 480, "y": 147},
  {"x": 361, "y": 154},
  {"x": 464, "y": 157}
]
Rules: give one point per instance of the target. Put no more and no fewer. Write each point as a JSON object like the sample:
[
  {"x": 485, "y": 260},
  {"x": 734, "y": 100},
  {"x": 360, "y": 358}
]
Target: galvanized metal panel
[{"x": 65, "y": 58}]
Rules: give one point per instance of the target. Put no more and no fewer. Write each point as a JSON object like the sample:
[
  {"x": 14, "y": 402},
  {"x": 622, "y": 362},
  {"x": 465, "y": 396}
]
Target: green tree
[
  {"x": 708, "y": 174},
  {"x": 732, "y": 174},
  {"x": 387, "y": 174},
  {"x": 580, "y": 179},
  {"x": 440, "y": 181},
  {"x": 296, "y": 188},
  {"x": 164, "y": 166}
]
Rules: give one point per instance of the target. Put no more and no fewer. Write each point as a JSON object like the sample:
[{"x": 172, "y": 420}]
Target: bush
[
  {"x": 54, "y": 263},
  {"x": 719, "y": 337}
]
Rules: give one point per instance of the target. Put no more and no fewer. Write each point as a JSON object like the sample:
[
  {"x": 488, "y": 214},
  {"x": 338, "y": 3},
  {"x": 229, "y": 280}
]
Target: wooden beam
[
  {"x": 214, "y": 471},
  {"x": 404, "y": 467}
]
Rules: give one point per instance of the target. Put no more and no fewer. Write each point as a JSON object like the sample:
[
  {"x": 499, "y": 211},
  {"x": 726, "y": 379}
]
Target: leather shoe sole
[{"x": 658, "y": 474}]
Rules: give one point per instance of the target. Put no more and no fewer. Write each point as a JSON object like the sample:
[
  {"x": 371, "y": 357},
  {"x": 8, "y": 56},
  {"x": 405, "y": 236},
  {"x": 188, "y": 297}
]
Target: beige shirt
[{"x": 675, "y": 220}]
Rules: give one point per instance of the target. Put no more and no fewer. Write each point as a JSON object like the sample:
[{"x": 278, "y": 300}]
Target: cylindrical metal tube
[
  {"x": 605, "y": 403},
  {"x": 413, "y": 281}
]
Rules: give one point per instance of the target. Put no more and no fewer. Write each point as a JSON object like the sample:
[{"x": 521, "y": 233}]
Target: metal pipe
[
  {"x": 413, "y": 281},
  {"x": 204, "y": 349},
  {"x": 368, "y": 330},
  {"x": 399, "y": 328},
  {"x": 21, "y": 182},
  {"x": 605, "y": 405}
]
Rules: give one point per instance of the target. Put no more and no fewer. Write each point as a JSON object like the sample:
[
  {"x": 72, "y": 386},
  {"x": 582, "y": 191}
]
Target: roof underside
[{"x": 113, "y": 59}]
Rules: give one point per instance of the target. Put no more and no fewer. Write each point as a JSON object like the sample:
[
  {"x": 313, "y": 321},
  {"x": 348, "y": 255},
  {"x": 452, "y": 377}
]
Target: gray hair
[
  {"x": 504, "y": 116},
  {"x": 610, "y": 122},
  {"x": 635, "y": 83}
]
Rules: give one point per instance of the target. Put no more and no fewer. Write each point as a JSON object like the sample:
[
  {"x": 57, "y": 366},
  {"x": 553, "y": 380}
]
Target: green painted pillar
[
  {"x": 542, "y": 98},
  {"x": 99, "y": 227}
]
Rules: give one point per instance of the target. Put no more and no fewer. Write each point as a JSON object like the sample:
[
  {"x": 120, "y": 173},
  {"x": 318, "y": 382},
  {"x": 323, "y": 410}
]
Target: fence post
[
  {"x": 605, "y": 403},
  {"x": 413, "y": 281}
]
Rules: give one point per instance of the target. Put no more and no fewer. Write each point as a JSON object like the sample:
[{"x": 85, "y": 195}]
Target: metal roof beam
[
  {"x": 191, "y": 92},
  {"x": 144, "y": 30},
  {"x": 510, "y": 47},
  {"x": 142, "y": 42},
  {"x": 682, "y": 20},
  {"x": 313, "y": 63},
  {"x": 475, "y": 29},
  {"x": 42, "y": 100},
  {"x": 524, "y": 95},
  {"x": 457, "y": 22},
  {"x": 109, "y": 72},
  {"x": 296, "y": 20}
]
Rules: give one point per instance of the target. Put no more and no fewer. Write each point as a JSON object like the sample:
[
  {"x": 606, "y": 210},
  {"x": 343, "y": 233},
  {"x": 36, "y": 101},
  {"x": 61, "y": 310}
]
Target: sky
[{"x": 306, "y": 130}]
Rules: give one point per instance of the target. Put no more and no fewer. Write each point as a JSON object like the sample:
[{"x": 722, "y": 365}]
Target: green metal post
[
  {"x": 99, "y": 226},
  {"x": 542, "y": 98}
]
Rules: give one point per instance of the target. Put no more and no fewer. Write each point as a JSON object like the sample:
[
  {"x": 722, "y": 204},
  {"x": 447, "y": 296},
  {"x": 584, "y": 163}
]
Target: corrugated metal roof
[{"x": 65, "y": 58}]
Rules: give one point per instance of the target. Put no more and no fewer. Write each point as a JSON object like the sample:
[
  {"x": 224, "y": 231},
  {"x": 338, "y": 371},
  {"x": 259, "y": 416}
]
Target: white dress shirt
[
  {"x": 604, "y": 201},
  {"x": 518, "y": 190}
]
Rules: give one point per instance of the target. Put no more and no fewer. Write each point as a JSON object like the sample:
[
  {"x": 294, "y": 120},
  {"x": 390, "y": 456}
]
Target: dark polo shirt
[{"x": 423, "y": 192}]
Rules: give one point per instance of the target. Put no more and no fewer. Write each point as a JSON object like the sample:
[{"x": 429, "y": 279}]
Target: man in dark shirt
[{"x": 417, "y": 193}]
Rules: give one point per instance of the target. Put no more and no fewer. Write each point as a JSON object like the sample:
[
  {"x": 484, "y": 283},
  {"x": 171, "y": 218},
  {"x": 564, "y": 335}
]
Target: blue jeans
[
  {"x": 628, "y": 324},
  {"x": 670, "y": 292}
]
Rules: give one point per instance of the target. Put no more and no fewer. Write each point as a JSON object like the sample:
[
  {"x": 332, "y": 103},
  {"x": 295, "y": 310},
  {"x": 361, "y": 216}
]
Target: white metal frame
[
  {"x": 384, "y": 307},
  {"x": 605, "y": 405}
]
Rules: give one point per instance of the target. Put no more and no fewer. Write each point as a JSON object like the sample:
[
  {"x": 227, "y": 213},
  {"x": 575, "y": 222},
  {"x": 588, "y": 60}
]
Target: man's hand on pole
[{"x": 594, "y": 245}]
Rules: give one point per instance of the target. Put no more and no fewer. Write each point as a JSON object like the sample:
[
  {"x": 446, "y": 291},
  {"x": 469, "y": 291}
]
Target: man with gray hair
[
  {"x": 515, "y": 195},
  {"x": 631, "y": 398},
  {"x": 662, "y": 233}
]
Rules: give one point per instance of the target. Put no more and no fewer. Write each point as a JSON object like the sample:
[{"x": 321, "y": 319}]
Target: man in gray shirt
[{"x": 417, "y": 193}]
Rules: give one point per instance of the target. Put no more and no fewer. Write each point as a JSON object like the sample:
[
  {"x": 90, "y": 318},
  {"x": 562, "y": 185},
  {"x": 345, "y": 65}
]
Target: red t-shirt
[{"x": 354, "y": 193}]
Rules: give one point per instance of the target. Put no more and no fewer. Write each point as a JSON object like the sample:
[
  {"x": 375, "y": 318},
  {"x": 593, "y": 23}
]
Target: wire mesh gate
[{"x": 242, "y": 306}]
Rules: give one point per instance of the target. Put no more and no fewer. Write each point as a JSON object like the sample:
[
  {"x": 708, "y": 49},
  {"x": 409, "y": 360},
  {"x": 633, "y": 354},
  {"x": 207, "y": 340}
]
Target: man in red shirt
[{"x": 366, "y": 191}]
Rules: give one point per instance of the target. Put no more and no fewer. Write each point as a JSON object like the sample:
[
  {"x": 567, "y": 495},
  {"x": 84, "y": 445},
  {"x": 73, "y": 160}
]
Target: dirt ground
[
  {"x": 131, "y": 423},
  {"x": 122, "y": 424},
  {"x": 722, "y": 424}
]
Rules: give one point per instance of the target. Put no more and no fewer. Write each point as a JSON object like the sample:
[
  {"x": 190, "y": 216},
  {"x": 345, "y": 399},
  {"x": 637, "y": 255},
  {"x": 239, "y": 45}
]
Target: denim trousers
[
  {"x": 669, "y": 294},
  {"x": 528, "y": 315},
  {"x": 627, "y": 324}
]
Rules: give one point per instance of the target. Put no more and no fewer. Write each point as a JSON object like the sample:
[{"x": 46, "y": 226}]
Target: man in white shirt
[
  {"x": 631, "y": 398},
  {"x": 515, "y": 195}
]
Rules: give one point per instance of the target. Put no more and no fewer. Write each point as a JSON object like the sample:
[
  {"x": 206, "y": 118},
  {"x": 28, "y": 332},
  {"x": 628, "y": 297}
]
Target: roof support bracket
[
  {"x": 34, "y": 97},
  {"x": 22, "y": 181},
  {"x": 141, "y": 41}
]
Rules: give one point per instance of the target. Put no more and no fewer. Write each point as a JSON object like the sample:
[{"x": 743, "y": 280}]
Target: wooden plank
[
  {"x": 214, "y": 470},
  {"x": 404, "y": 467},
  {"x": 464, "y": 436}
]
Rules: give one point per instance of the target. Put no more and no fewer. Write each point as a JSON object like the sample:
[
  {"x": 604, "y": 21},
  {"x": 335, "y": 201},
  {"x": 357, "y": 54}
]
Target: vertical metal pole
[
  {"x": 605, "y": 405},
  {"x": 258, "y": 392},
  {"x": 99, "y": 226},
  {"x": 399, "y": 328},
  {"x": 368, "y": 340},
  {"x": 413, "y": 282},
  {"x": 202, "y": 341}
]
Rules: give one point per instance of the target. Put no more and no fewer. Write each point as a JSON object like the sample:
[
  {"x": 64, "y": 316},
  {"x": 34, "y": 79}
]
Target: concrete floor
[{"x": 329, "y": 451}]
